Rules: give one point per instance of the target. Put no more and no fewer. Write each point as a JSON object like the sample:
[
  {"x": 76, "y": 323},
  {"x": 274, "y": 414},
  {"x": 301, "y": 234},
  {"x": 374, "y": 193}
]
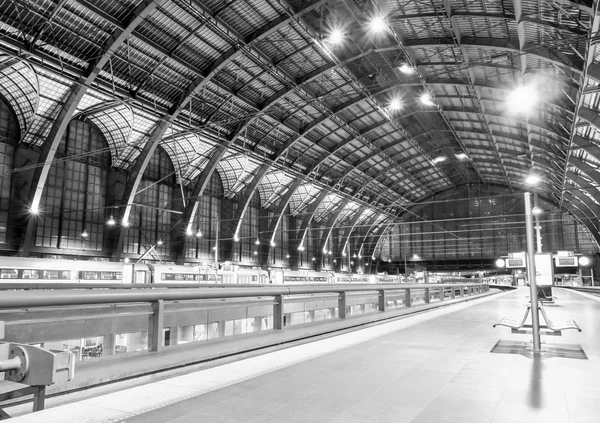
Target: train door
[{"x": 127, "y": 273}]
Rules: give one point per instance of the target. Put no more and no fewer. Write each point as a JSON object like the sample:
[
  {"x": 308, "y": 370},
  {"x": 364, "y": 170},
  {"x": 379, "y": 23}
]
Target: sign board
[
  {"x": 544, "y": 274},
  {"x": 513, "y": 263},
  {"x": 565, "y": 261}
]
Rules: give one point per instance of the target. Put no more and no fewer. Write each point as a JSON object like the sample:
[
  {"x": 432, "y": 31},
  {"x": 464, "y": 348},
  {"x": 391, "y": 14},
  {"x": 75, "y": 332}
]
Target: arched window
[
  {"x": 73, "y": 204},
  {"x": 208, "y": 215},
  {"x": 151, "y": 216},
  {"x": 9, "y": 135}
]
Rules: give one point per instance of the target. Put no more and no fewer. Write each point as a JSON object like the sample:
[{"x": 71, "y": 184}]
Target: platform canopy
[{"x": 380, "y": 104}]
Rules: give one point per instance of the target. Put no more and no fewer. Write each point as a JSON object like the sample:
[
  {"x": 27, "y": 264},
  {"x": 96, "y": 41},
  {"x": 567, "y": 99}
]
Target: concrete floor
[{"x": 439, "y": 369}]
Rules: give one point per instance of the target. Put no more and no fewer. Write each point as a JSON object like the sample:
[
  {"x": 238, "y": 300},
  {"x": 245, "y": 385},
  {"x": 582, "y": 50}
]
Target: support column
[
  {"x": 109, "y": 344},
  {"x": 535, "y": 318}
]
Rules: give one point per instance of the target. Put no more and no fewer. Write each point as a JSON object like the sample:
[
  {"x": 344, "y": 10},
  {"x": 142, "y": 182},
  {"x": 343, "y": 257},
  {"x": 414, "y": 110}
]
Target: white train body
[{"x": 29, "y": 270}]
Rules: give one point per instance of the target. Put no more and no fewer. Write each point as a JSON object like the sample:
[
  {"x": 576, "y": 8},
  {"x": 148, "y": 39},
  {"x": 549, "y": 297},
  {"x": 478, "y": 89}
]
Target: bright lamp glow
[
  {"x": 300, "y": 248},
  {"x": 126, "y": 260},
  {"x": 415, "y": 257},
  {"x": 330, "y": 252},
  {"x": 287, "y": 256},
  {"x": 189, "y": 232},
  {"x": 84, "y": 234},
  {"x": 199, "y": 234},
  {"x": 395, "y": 104},
  {"x": 344, "y": 254},
  {"x": 257, "y": 242},
  {"x": 532, "y": 180},
  {"x": 273, "y": 243},
  {"x": 583, "y": 261},
  {"x": 500, "y": 263},
  {"x": 522, "y": 99},
  {"x": 439, "y": 159},
  {"x": 336, "y": 36},
  {"x": 461, "y": 156},
  {"x": 426, "y": 99},
  {"x": 125, "y": 223},
  {"x": 313, "y": 259},
  {"x": 34, "y": 210},
  {"x": 406, "y": 69},
  {"x": 377, "y": 24},
  {"x": 236, "y": 238},
  {"x": 111, "y": 221},
  {"x": 255, "y": 252},
  {"x": 536, "y": 210},
  {"x": 159, "y": 242}
]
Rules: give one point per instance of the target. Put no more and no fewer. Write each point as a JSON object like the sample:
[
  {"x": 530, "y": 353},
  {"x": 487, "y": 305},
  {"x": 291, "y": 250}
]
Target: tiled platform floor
[{"x": 438, "y": 370}]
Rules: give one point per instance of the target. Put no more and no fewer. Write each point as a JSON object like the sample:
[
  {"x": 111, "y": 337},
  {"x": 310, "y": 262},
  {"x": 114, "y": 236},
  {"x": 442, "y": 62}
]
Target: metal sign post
[{"x": 533, "y": 290}]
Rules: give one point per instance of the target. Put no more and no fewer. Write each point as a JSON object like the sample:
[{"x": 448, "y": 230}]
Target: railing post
[
  {"x": 109, "y": 343},
  {"x": 382, "y": 301},
  {"x": 427, "y": 296},
  {"x": 342, "y": 305},
  {"x": 407, "y": 297},
  {"x": 441, "y": 294},
  {"x": 278, "y": 312},
  {"x": 155, "y": 333},
  {"x": 452, "y": 292}
]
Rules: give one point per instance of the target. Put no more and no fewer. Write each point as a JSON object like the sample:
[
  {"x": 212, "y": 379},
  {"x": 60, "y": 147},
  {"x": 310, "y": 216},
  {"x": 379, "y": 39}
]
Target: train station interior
[{"x": 299, "y": 211}]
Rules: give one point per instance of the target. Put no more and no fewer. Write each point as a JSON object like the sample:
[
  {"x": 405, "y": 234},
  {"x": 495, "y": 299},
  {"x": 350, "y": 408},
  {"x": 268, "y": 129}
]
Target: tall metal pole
[
  {"x": 533, "y": 291},
  {"x": 217, "y": 245},
  {"x": 538, "y": 228}
]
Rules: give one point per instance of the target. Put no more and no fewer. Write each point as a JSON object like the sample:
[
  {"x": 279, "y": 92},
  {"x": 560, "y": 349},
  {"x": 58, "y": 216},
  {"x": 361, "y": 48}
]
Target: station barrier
[{"x": 45, "y": 316}]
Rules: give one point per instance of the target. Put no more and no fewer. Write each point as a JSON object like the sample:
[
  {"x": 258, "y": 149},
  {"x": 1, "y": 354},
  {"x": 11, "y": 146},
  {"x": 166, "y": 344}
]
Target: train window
[
  {"x": 49, "y": 274},
  {"x": 65, "y": 274},
  {"x": 9, "y": 273},
  {"x": 112, "y": 276},
  {"x": 190, "y": 277},
  {"x": 31, "y": 274},
  {"x": 89, "y": 275},
  {"x": 210, "y": 277}
]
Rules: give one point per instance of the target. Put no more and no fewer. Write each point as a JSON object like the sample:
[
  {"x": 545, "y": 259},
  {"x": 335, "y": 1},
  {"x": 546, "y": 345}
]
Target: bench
[{"x": 552, "y": 327}]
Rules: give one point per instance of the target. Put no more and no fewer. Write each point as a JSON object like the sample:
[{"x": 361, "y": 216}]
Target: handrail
[{"x": 19, "y": 299}]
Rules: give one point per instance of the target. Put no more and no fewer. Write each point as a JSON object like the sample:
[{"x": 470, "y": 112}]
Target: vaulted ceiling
[{"x": 258, "y": 90}]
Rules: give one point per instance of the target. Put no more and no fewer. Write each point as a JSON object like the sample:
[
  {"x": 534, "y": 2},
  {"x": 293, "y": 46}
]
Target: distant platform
[{"x": 446, "y": 365}]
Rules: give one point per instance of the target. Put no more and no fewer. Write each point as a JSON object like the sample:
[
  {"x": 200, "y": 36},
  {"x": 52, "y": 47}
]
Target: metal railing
[{"x": 39, "y": 316}]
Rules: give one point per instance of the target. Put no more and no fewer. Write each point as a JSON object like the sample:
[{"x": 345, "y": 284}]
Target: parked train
[{"x": 37, "y": 270}]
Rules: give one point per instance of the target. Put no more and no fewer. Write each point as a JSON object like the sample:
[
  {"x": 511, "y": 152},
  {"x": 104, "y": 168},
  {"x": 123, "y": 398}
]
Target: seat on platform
[
  {"x": 513, "y": 323},
  {"x": 559, "y": 325}
]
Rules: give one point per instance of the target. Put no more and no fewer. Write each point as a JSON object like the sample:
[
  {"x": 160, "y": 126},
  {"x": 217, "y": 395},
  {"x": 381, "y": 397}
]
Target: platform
[{"x": 447, "y": 365}]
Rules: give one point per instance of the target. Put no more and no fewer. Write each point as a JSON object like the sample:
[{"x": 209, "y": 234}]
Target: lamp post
[{"x": 535, "y": 318}]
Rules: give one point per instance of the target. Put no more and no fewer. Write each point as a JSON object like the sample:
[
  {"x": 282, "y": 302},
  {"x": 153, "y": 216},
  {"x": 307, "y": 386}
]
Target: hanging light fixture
[
  {"x": 111, "y": 221},
  {"x": 84, "y": 234}
]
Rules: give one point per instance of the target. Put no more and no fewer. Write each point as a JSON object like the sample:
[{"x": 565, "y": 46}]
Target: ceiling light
[
  {"x": 439, "y": 159},
  {"x": 344, "y": 253},
  {"x": 34, "y": 210},
  {"x": 406, "y": 69},
  {"x": 426, "y": 99},
  {"x": 522, "y": 100},
  {"x": 199, "y": 234},
  {"x": 84, "y": 234},
  {"x": 395, "y": 104},
  {"x": 415, "y": 256},
  {"x": 533, "y": 180},
  {"x": 536, "y": 210},
  {"x": 336, "y": 36},
  {"x": 272, "y": 244},
  {"x": 330, "y": 252},
  {"x": 236, "y": 238},
  {"x": 377, "y": 24},
  {"x": 287, "y": 256},
  {"x": 159, "y": 242},
  {"x": 111, "y": 221},
  {"x": 257, "y": 242},
  {"x": 461, "y": 156},
  {"x": 300, "y": 248},
  {"x": 255, "y": 252},
  {"x": 125, "y": 223},
  {"x": 313, "y": 259},
  {"x": 335, "y": 261}
]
